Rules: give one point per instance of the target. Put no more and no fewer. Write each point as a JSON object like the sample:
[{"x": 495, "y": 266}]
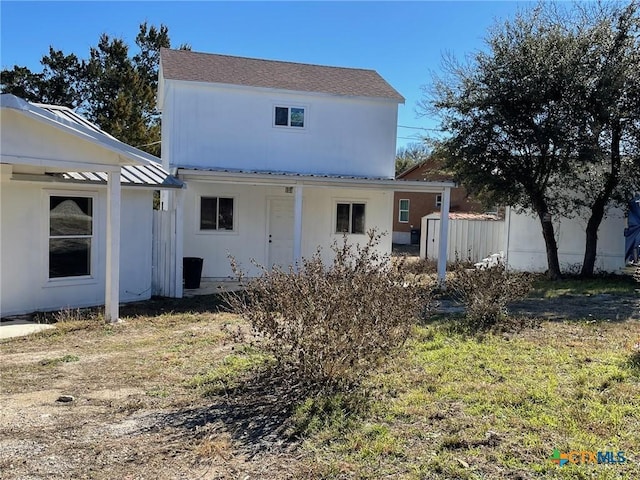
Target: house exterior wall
[
  {"x": 34, "y": 141},
  {"x": 232, "y": 127},
  {"x": 526, "y": 249},
  {"x": 24, "y": 283},
  {"x": 249, "y": 240}
]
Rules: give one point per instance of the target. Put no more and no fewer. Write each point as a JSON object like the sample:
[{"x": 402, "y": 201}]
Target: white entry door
[{"x": 280, "y": 232}]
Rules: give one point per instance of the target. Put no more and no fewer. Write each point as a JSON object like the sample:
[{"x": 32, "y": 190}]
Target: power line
[{"x": 420, "y": 128}]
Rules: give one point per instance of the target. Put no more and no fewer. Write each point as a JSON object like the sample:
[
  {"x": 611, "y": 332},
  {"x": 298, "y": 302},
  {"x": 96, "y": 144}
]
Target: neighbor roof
[{"x": 225, "y": 69}]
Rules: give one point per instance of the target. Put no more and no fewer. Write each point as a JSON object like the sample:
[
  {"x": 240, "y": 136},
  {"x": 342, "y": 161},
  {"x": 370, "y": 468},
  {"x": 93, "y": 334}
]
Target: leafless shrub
[
  {"x": 487, "y": 291},
  {"x": 328, "y": 326}
]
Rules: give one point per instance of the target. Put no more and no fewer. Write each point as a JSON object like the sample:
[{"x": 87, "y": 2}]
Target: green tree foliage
[
  {"x": 531, "y": 118},
  {"x": 111, "y": 87}
]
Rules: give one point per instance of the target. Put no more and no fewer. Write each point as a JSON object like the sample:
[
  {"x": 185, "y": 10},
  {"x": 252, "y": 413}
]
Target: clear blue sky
[{"x": 403, "y": 41}]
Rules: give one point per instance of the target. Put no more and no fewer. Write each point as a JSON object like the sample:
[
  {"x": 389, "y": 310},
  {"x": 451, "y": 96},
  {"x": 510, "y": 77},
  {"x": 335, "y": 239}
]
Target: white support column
[
  {"x": 178, "y": 235},
  {"x": 444, "y": 234},
  {"x": 297, "y": 225},
  {"x": 112, "y": 281}
]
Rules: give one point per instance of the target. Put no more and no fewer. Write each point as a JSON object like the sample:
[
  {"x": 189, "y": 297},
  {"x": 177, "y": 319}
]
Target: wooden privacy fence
[{"x": 471, "y": 236}]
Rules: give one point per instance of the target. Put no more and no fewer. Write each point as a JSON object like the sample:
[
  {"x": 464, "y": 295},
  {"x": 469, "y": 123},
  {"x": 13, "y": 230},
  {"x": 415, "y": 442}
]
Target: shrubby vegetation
[
  {"x": 486, "y": 292},
  {"x": 328, "y": 326}
]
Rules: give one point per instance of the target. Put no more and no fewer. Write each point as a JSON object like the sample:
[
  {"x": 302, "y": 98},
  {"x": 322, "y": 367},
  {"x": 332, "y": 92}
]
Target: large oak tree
[{"x": 543, "y": 118}]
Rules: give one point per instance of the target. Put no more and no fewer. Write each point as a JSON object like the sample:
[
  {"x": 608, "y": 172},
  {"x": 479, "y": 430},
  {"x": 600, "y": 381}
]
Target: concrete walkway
[{"x": 20, "y": 327}]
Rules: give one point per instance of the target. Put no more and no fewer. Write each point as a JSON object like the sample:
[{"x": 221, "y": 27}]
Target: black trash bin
[
  {"x": 191, "y": 271},
  {"x": 415, "y": 236}
]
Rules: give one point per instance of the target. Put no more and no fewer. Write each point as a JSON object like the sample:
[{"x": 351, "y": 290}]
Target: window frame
[
  {"x": 289, "y": 107},
  {"x": 94, "y": 239},
  {"x": 401, "y": 210},
  {"x": 217, "y": 230},
  {"x": 439, "y": 200},
  {"x": 351, "y": 203}
]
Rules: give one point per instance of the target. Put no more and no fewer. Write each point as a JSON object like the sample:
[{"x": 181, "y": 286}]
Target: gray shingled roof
[{"x": 225, "y": 69}]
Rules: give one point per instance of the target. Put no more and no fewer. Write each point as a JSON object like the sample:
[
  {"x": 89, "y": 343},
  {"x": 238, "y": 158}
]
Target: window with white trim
[
  {"x": 403, "y": 211},
  {"x": 70, "y": 236},
  {"x": 216, "y": 213},
  {"x": 288, "y": 116},
  {"x": 438, "y": 201},
  {"x": 350, "y": 217}
]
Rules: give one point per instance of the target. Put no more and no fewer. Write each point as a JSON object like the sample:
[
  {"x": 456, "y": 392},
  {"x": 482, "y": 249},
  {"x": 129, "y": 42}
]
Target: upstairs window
[
  {"x": 350, "y": 218},
  {"x": 403, "y": 216},
  {"x": 216, "y": 213},
  {"x": 70, "y": 236},
  {"x": 289, "y": 117}
]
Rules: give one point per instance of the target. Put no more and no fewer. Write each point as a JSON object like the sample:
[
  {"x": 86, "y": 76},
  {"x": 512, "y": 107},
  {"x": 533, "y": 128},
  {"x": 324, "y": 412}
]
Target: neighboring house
[
  {"x": 76, "y": 209},
  {"x": 410, "y": 207},
  {"x": 279, "y": 158}
]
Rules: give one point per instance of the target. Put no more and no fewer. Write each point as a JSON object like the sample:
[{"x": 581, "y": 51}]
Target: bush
[
  {"x": 486, "y": 292},
  {"x": 328, "y": 326}
]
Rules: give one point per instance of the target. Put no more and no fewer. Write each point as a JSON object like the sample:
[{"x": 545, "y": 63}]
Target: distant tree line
[{"x": 112, "y": 87}]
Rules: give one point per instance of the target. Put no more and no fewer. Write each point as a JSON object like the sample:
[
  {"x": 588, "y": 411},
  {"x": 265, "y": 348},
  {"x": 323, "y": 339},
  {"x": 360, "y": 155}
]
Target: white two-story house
[{"x": 278, "y": 158}]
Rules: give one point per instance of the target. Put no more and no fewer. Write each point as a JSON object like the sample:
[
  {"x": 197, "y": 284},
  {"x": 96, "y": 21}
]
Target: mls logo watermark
[{"x": 582, "y": 457}]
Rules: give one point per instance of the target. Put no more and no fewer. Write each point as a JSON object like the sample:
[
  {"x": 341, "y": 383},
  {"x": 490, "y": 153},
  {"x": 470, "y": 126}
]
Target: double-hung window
[
  {"x": 289, "y": 117},
  {"x": 70, "y": 236},
  {"x": 216, "y": 213},
  {"x": 438, "y": 201},
  {"x": 403, "y": 211},
  {"x": 350, "y": 217}
]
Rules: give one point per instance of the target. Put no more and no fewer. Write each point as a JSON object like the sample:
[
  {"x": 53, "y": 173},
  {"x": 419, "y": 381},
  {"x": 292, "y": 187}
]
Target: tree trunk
[
  {"x": 599, "y": 204},
  {"x": 548, "y": 233},
  {"x": 553, "y": 264}
]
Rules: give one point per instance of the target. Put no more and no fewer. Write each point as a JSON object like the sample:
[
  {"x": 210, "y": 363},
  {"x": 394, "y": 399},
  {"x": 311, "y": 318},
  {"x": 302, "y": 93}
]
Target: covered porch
[{"x": 277, "y": 218}]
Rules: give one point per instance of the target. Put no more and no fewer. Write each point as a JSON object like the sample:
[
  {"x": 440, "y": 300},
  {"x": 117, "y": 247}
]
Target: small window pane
[
  {"x": 404, "y": 216},
  {"x": 282, "y": 116},
  {"x": 404, "y": 204},
  {"x": 70, "y": 216},
  {"x": 69, "y": 257},
  {"x": 342, "y": 218},
  {"x": 297, "y": 117},
  {"x": 357, "y": 218},
  {"x": 225, "y": 214},
  {"x": 208, "y": 213}
]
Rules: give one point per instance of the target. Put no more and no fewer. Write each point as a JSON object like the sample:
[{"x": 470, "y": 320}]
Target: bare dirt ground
[{"x": 134, "y": 417}]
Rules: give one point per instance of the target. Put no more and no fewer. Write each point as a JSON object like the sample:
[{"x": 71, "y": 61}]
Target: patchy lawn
[{"x": 169, "y": 394}]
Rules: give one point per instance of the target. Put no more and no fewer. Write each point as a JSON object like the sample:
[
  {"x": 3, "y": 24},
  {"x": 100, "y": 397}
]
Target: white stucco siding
[
  {"x": 249, "y": 240},
  {"x": 24, "y": 283},
  {"x": 232, "y": 127},
  {"x": 526, "y": 248}
]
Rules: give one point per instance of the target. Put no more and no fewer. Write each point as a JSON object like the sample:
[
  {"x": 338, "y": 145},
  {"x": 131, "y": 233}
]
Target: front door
[{"x": 280, "y": 232}]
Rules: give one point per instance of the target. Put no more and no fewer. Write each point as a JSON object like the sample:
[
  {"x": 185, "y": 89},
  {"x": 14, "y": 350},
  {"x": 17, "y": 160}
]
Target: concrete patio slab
[{"x": 10, "y": 328}]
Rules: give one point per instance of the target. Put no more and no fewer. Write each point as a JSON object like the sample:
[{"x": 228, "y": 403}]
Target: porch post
[
  {"x": 444, "y": 234},
  {"x": 297, "y": 226},
  {"x": 178, "y": 233},
  {"x": 112, "y": 281}
]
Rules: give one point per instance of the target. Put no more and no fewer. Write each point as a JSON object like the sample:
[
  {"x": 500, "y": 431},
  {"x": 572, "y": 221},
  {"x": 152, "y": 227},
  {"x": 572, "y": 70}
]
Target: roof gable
[{"x": 224, "y": 69}]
